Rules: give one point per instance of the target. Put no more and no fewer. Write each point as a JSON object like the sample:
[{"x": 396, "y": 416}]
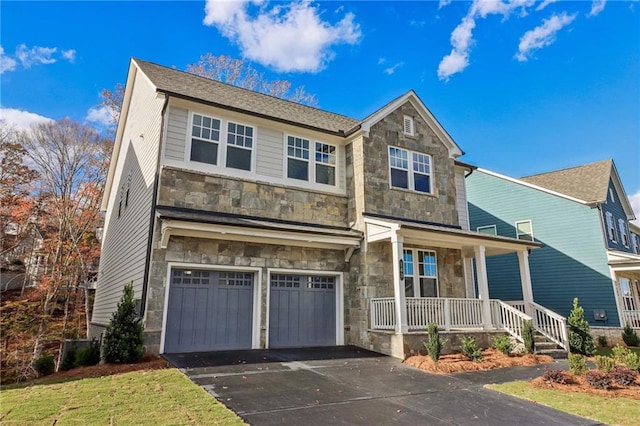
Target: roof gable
[
  {"x": 190, "y": 86},
  {"x": 420, "y": 107}
]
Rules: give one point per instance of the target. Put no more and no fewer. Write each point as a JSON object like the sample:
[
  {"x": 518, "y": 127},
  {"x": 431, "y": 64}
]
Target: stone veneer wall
[
  {"x": 381, "y": 199},
  {"x": 199, "y": 251},
  {"x": 180, "y": 188}
]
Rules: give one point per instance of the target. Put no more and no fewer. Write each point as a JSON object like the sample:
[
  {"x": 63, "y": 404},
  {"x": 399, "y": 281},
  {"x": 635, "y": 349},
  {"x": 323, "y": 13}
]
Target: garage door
[
  {"x": 209, "y": 310},
  {"x": 302, "y": 311}
]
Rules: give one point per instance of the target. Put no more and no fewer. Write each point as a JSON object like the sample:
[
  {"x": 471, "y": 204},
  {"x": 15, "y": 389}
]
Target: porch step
[
  {"x": 544, "y": 346},
  {"x": 553, "y": 353}
]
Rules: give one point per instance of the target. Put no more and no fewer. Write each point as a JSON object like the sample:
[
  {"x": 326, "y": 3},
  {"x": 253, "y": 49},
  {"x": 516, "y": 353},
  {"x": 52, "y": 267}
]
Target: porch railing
[
  {"x": 508, "y": 318},
  {"x": 551, "y": 325},
  {"x": 632, "y": 318}
]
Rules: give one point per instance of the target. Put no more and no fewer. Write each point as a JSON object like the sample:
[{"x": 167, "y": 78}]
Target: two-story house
[
  {"x": 247, "y": 221},
  {"x": 581, "y": 215}
]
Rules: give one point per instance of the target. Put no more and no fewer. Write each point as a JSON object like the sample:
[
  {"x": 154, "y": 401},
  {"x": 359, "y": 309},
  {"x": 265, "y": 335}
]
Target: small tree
[
  {"x": 580, "y": 339},
  {"x": 629, "y": 336},
  {"x": 434, "y": 344},
  {"x": 123, "y": 339},
  {"x": 528, "y": 337}
]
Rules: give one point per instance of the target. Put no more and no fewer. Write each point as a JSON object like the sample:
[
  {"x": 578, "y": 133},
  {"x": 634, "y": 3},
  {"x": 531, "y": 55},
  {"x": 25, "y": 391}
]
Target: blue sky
[{"x": 522, "y": 86}]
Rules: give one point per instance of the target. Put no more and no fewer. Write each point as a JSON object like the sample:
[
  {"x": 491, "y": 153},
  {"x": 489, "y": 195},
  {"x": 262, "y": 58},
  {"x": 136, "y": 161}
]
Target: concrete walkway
[{"x": 351, "y": 386}]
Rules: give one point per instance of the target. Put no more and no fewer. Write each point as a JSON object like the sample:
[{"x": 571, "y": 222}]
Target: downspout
[{"x": 152, "y": 214}]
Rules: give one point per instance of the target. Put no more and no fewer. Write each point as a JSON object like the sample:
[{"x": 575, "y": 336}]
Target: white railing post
[{"x": 447, "y": 314}]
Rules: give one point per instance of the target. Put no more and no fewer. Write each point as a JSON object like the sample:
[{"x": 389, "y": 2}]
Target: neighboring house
[
  {"x": 581, "y": 215},
  {"x": 246, "y": 221},
  {"x": 22, "y": 258}
]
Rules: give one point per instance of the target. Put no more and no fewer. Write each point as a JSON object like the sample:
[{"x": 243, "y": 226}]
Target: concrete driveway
[{"x": 351, "y": 386}]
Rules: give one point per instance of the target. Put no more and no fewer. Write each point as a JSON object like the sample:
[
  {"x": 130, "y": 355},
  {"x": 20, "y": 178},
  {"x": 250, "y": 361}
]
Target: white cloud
[
  {"x": 444, "y": 3},
  {"x": 544, "y": 4},
  {"x": 597, "y": 6},
  {"x": 35, "y": 55},
  {"x": 100, "y": 115},
  {"x": 392, "y": 69},
  {"x": 542, "y": 35},
  {"x": 21, "y": 120},
  {"x": 634, "y": 200},
  {"x": 69, "y": 55},
  {"x": 289, "y": 38},
  {"x": 6, "y": 63},
  {"x": 382, "y": 61}
]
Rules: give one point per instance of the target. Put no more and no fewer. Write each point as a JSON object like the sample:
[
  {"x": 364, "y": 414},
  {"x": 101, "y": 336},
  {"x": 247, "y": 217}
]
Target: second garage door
[{"x": 302, "y": 311}]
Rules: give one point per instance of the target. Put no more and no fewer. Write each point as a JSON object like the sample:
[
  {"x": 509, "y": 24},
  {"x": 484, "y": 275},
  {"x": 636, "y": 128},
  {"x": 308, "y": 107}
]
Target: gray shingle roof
[
  {"x": 231, "y": 97},
  {"x": 588, "y": 182}
]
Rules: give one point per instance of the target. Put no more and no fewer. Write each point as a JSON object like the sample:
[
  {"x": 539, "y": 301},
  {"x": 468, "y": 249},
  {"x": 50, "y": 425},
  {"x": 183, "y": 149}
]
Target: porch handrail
[
  {"x": 510, "y": 319},
  {"x": 518, "y": 304},
  {"x": 551, "y": 325},
  {"x": 383, "y": 313}
]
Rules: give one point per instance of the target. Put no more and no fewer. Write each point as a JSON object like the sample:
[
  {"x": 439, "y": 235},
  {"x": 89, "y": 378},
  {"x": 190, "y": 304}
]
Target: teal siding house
[{"x": 590, "y": 250}]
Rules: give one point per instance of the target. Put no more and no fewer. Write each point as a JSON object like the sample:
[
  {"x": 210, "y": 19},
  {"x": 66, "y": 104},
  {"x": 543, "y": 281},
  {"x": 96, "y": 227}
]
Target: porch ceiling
[{"x": 424, "y": 234}]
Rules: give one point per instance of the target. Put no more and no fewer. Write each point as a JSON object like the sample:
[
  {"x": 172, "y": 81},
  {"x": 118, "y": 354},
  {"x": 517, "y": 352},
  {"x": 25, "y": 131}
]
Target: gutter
[{"x": 154, "y": 201}]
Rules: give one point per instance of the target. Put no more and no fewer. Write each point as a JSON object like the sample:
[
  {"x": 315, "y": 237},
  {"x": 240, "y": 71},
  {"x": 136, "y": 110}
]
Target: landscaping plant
[
  {"x": 604, "y": 363},
  {"x": 580, "y": 339},
  {"x": 45, "y": 365},
  {"x": 602, "y": 341},
  {"x": 434, "y": 344},
  {"x": 89, "y": 355},
  {"x": 598, "y": 380},
  {"x": 619, "y": 353},
  {"x": 470, "y": 349},
  {"x": 123, "y": 339},
  {"x": 577, "y": 364},
  {"x": 503, "y": 344},
  {"x": 629, "y": 336},
  {"x": 632, "y": 361},
  {"x": 69, "y": 359},
  {"x": 624, "y": 376},
  {"x": 528, "y": 337},
  {"x": 557, "y": 376}
]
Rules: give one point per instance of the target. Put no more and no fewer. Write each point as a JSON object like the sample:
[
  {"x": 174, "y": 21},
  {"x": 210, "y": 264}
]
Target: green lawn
[
  {"x": 138, "y": 398},
  {"x": 612, "y": 411},
  {"x": 608, "y": 351}
]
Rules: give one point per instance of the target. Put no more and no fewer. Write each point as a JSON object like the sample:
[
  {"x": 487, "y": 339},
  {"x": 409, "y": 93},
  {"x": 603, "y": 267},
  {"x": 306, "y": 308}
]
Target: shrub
[
  {"x": 434, "y": 344},
  {"x": 598, "y": 380},
  {"x": 470, "y": 349},
  {"x": 580, "y": 339},
  {"x": 632, "y": 361},
  {"x": 527, "y": 336},
  {"x": 69, "y": 359},
  {"x": 604, "y": 363},
  {"x": 577, "y": 364},
  {"x": 624, "y": 376},
  {"x": 629, "y": 336},
  {"x": 123, "y": 339},
  {"x": 557, "y": 376},
  {"x": 503, "y": 344},
  {"x": 45, "y": 365},
  {"x": 619, "y": 353},
  {"x": 602, "y": 341},
  {"x": 89, "y": 355}
]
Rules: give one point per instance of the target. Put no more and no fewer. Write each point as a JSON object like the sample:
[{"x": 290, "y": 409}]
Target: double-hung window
[
  {"x": 205, "y": 139},
  {"x": 297, "y": 158},
  {"x": 239, "y": 146},
  {"x": 311, "y": 161},
  {"x": 410, "y": 170},
  {"x": 524, "y": 230},
  {"x": 635, "y": 243},
  {"x": 420, "y": 273},
  {"x": 325, "y": 163},
  {"x": 624, "y": 235},
  {"x": 611, "y": 227}
]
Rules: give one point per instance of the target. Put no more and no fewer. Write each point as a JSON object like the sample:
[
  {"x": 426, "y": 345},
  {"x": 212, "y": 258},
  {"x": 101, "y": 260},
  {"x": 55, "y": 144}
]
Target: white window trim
[
  {"x": 635, "y": 243},
  {"x": 495, "y": 229},
  {"x": 416, "y": 270},
  {"x": 611, "y": 227},
  {"x": 624, "y": 233},
  {"x": 339, "y": 297},
  {"x": 257, "y": 296},
  {"x": 221, "y": 167},
  {"x": 530, "y": 225},
  {"x": 410, "y": 171},
  {"x": 311, "y": 162},
  {"x": 412, "y": 125}
]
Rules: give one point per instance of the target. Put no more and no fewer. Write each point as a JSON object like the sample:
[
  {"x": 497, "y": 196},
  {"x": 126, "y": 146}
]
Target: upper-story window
[
  {"x": 635, "y": 243},
  {"x": 611, "y": 227},
  {"x": 408, "y": 127},
  {"x": 613, "y": 200},
  {"x": 319, "y": 167},
  {"x": 205, "y": 139},
  {"x": 488, "y": 230},
  {"x": 624, "y": 235},
  {"x": 410, "y": 170},
  {"x": 297, "y": 158},
  {"x": 325, "y": 163},
  {"x": 524, "y": 230},
  {"x": 239, "y": 146}
]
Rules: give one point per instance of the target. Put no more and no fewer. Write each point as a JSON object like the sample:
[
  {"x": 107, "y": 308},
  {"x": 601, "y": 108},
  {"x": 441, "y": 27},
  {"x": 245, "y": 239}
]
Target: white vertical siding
[
  {"x": 461, "y": 199},
  {"x": 124, "y": 246},
  {"x": 270, "y": 152},
  {"x": 176, "y": 133}
]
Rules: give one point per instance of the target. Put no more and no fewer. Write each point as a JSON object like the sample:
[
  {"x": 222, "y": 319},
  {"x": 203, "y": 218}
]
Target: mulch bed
[
  {"x": 579, "y": 384},
  {"x": 491, "y": 359},
  {"x": 148, "y": 362}
]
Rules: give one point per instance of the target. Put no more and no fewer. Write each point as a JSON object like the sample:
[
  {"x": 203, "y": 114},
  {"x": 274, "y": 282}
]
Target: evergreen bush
[
  {"x": 619, "y": 353},
  {"x": 602, "y": 341},
  {"x": 577, "y": 364},
  {"x": 629, "y": 336},
  {"x": 528, "y": 337},
  {"x": 69, "y": 359},
  {"x": 45, "y": 365},
  {"x": 470, "y": 349},
  {"x": 580, "y": 339},
  {"x": 123, "y": 339},
  {"x": 632, "y": 361},
  {"x": 503, "y": 344},
  {"x": 434, "y": 344},
  {"x": 89, "y": 355},
  {"x": 604, "y": 363}
]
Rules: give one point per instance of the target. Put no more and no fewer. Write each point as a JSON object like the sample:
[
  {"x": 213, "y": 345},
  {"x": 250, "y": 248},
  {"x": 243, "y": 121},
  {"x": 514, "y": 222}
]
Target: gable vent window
[
  {"x": 524, "y": 230},
  {"x": 205, "y": 138},
  {"x": 624, "y": 235},
  {"x": 239, "y": 146},
  {"x": 408, "y": 126},
  {"x": 611, "y": 227}
]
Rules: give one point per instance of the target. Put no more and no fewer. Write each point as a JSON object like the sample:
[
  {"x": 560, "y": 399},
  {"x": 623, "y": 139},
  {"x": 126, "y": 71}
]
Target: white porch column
[
  {"x": 525, "y": 280},
  {"x": 483, "y": 285},
  {"x": 398, "y": 284},
  {"x": 470, "y": 288}
]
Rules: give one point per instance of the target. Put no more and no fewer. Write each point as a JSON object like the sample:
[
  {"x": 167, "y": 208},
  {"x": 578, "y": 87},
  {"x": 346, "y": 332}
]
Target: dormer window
[{"x": 408, "y": 126}]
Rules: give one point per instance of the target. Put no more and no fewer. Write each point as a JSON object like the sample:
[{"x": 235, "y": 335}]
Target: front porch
[
  {"x": 417, "y": 298},
  {"x": 625, "y": 268}
]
